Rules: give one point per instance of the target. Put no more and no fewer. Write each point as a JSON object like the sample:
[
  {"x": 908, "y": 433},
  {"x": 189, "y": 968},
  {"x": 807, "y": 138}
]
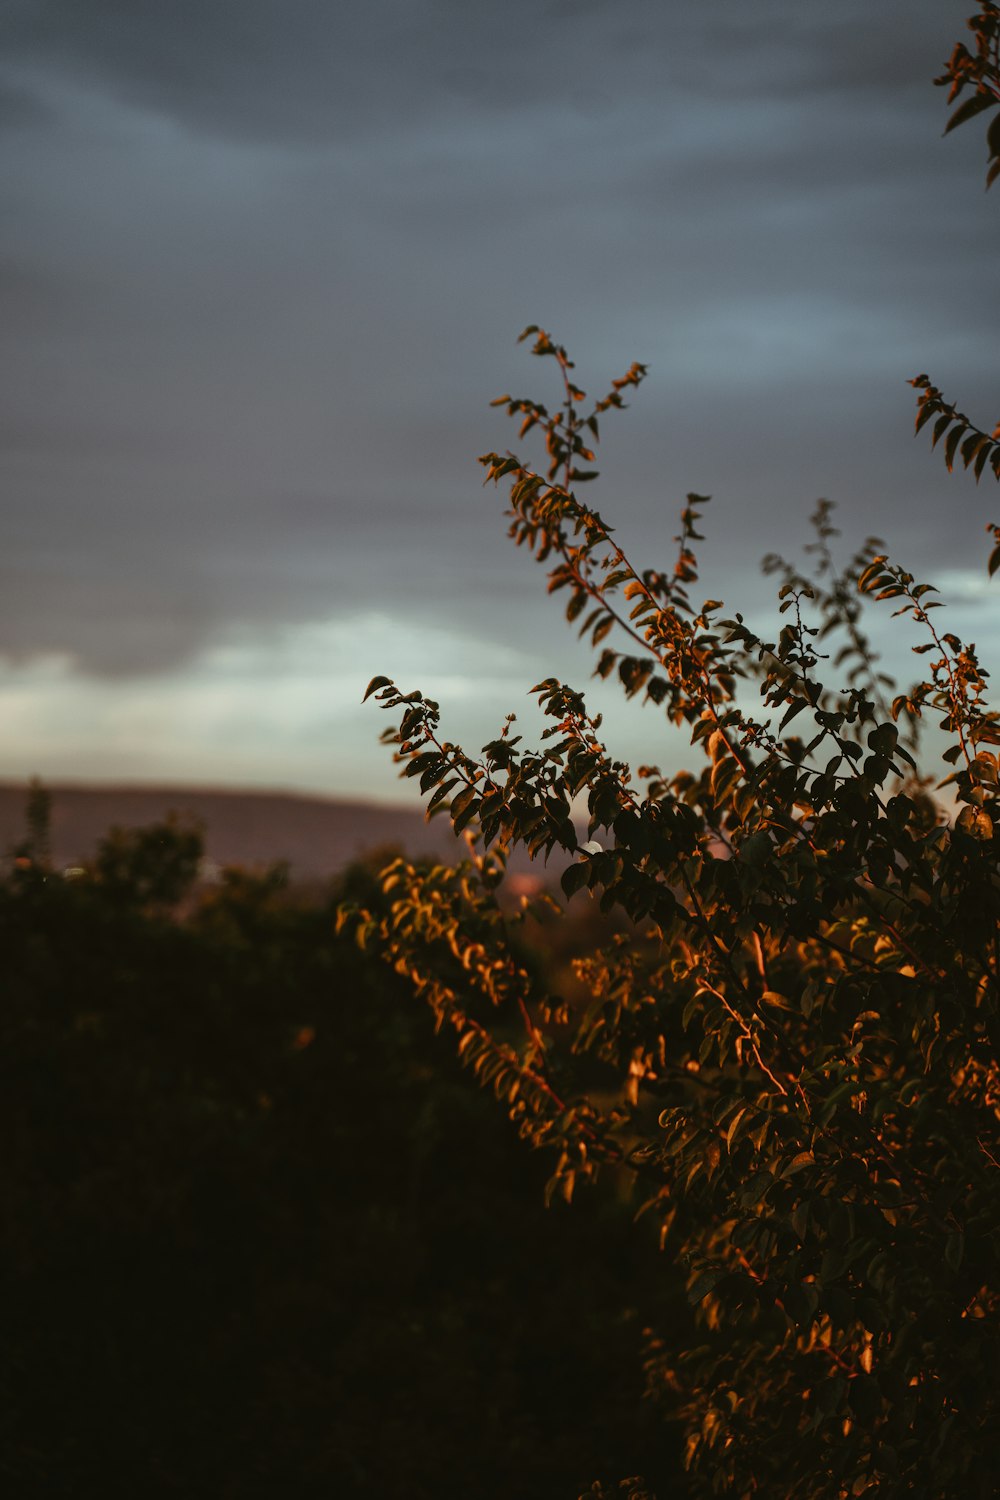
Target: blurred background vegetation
[{"x": 260, "y": 1233}]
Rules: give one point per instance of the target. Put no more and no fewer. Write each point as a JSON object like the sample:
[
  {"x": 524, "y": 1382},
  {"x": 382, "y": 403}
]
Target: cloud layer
[{"x": 262, "y": 266}]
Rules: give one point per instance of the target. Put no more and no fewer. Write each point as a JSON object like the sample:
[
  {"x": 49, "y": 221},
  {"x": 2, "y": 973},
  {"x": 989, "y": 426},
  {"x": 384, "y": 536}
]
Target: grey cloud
[
  {"x": 260, "y": 70},
  {"x": 250, "y": 357},
  {"x": 20, "y": 108}
]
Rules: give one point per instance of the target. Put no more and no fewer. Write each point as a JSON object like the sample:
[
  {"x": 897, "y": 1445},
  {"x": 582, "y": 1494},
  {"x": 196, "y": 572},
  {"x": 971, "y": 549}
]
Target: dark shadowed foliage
[{"x": 258, "y": 1236}]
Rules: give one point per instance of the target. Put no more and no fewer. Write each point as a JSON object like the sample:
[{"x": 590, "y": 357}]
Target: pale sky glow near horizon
[{"x": 262, "y": 269}]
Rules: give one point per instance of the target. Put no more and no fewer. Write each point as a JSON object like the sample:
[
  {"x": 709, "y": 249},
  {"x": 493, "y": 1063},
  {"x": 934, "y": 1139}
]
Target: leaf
[
  {"x": 972, "y": 106},
  {"x": 410, "y": 720},
  {"x": 798, "y": 1162},
  {"x": 882, "y": 739},
  {"x": 755, "y": 850},
  {"x": 755, "y": 1189},
  {"x": 865, "y": 1398},
  {"x": 704, "y": 1283},
  {"x": 375, "y": 684},
  {"x": 795, "y": 707},
  {"x": 951, "y": 445},
  {"x": 575, "y": 877},
  {"x": 800, "y": 1304},
  {"x": 733, "y": 1127},
  {"x": 441, "y": 793},
  {"x": 993, "y": 136},
  {"x": 941, "y": 426},
  {"x": 976, "y": 823}
]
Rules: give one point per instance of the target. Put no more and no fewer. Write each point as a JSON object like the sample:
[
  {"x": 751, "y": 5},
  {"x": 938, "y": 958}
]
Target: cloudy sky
[{"x": 262, "y": 267}]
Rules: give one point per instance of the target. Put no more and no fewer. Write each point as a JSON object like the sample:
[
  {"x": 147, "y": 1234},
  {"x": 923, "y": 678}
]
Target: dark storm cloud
[
  {"x": 262, "y": 264},
  {"x": 265, "y": 70}
]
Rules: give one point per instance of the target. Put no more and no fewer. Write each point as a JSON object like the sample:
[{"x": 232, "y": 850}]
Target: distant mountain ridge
[{"x": 318, "y": 836}]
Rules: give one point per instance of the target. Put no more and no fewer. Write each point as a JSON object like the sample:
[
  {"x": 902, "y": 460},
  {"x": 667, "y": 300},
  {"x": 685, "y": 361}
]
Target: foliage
[
  {"x": 963, "y": 441},
  {"x": 803, "y": 1030},
  {"x": 978, "y": 71},
  {"x": 258, "y": 1237},
  {"x": 796, "y": 1051},
  {"x": 149, "y": 867}
]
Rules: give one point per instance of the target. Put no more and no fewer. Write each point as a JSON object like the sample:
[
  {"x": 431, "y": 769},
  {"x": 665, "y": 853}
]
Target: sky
[{"x": 263, "y": 264}]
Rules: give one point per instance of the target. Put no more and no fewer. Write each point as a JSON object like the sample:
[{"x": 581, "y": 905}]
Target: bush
[
  {"x": 797, "y": 1050},
  {"x": 258, "y": 1237}
]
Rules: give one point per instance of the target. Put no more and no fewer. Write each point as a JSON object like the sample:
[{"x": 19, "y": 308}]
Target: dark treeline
[{"x": 253, "y": 1239}]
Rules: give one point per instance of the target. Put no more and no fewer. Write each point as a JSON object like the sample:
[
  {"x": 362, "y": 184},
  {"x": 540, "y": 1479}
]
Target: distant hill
[{"x": 316, "y": 835}]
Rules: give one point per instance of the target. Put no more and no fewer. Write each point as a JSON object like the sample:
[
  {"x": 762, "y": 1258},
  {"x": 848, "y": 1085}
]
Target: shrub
[
  {"x": 252, "y": 1243},
  {"x": 795, "y": 1051}
]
